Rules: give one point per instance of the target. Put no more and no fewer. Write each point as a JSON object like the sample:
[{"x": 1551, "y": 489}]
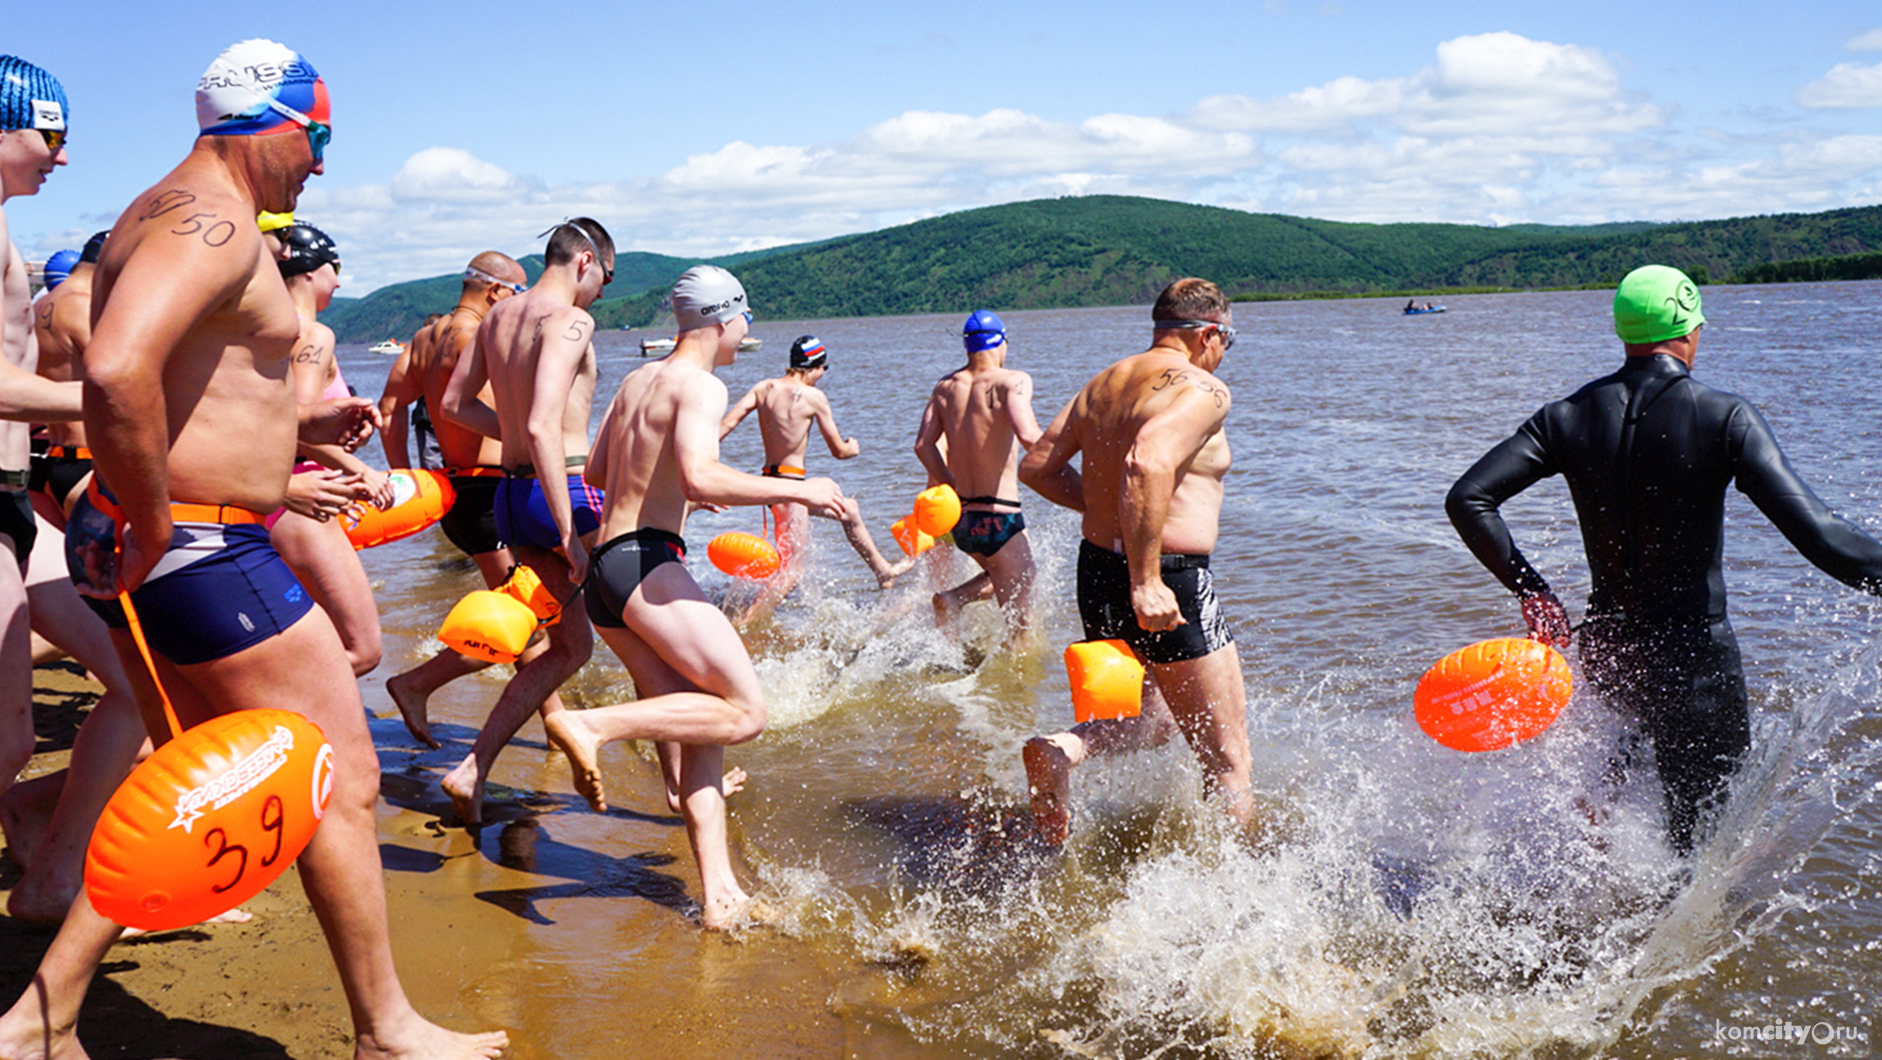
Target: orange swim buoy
[
  {"x": 937, "y": 509},
  {"x": 420, "y": 497},
  {"x": 743, "y": 555},
  {"x": 1107, "y": 680},
  {"x": 1493, "y": 694},
  {"x": 910, "y": 536},
  {"x": 210, "y": 819}
]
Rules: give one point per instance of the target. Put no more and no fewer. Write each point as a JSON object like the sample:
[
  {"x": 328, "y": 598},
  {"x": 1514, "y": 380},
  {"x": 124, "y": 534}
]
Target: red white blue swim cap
[
  {"x": 30, "y": 98},
  {"x": 257, "y": 88}
]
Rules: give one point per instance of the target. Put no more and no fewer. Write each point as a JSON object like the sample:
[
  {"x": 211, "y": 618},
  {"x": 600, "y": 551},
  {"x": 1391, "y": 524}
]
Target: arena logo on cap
[
  {"x": 48, "y": 114},
  {"x": 720, "y": 307}
]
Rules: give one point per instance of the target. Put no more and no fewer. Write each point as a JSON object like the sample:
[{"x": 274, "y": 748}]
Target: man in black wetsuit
[{"x": 1648, "y": 452}]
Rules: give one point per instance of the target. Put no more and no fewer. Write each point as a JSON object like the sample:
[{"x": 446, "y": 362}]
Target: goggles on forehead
[{"x": 474, "y": 273}]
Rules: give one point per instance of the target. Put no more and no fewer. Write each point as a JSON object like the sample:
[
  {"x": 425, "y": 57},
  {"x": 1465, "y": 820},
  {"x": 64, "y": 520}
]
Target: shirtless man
[
  {"x": 48, "y": 820},
  {"x": 1150, "y": 427},
  {"x": 787, "y": 407},
  {"x": 189, "y": 363},
  {"x": 983, "y": 411},
  {"x": 657, "y": 455},
  {"x": 62, "y": 326},
  {"x": 536, "y": 354},
  {"x": 471, "y": 460},
  {"x": 32, "y": 144}
]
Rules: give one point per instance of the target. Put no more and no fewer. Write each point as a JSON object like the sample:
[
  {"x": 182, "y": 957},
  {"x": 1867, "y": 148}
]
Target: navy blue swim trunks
[
  {"x": 523, "y": 513},
  {"x": 985, "y": 533}
]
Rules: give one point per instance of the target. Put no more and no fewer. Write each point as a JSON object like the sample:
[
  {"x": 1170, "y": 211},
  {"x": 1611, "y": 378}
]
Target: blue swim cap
[
  {"x": 30, "y": 98},
  {"x": 983, "y": 331},
  {"x": 59, "y": 267}
]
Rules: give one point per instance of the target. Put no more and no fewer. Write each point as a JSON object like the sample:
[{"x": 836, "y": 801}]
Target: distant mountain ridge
[{"x": 1117, "y": 250}]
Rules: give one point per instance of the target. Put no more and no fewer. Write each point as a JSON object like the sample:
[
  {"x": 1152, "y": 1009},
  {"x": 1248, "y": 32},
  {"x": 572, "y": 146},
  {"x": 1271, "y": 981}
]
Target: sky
[{"x": 697, "y": 130}]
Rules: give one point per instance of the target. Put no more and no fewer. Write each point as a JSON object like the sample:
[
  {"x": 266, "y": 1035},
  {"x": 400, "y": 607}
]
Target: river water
[{"x": 1408, "y": 901}]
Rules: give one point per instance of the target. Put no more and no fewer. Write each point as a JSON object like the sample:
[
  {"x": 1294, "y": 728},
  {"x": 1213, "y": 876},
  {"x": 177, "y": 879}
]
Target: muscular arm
[
  {"x": 1518, "y": 462},
  {"x": 928, "y": 443},
  {"x": 1165, "y": 444},
  {"x": 1047, "y": 465},
  {"x": 1019, "y": 410},
  {"x": 401, "y": 391},
  {"x": 708, "y": 481},
  {"x": 462, "y": 405},
  {"x": 840, "y": 447},
  {"x": 565, "y": 340},
  {"x": 172, "y": 281},
  {"x": 24, "y": 396},
  {"x": 738, "y": 412},
  {"x": 1834, "y": 544}
]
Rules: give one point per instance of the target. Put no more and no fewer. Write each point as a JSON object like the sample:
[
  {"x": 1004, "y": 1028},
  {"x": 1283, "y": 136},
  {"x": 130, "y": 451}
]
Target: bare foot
[
  {"x": 947, "y": 615},
  {"x": 412, "y": 709},
  {"x": 465, "y": 786},
  {"x": 26, "y": 810},
  {"x": 583, "y": 749},
  {"x": 419, "y": 1039},
  {"x": 1048, "y": 783},
  {"x": 233, "y": 916},
  {"x": 726, "y": 911},
  {"x": 34, "y": 1040},
  {"x": 730, "y": 785},
  {"x": 885, "y": 577},
  {"x": 40, "y": 899}
]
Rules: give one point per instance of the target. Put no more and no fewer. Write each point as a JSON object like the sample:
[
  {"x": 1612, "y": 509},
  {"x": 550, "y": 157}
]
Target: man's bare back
[
  {"x": 513, "y": 338},
  {"x": 62, "y": 322},
  {"x": 984, "y": 413},
  {"x": 434, "y": 356}
]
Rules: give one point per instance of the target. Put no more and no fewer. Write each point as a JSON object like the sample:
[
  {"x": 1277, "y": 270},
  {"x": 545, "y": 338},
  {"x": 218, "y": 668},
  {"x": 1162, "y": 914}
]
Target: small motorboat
[
  {"x": 662, "y": 347},
  {"x": 1418, "y": 311},
  {"x": 390, "y": 347}
]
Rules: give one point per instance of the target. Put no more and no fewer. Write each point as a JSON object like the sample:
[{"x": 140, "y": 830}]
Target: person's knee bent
[{"x": 745, "y": 720}]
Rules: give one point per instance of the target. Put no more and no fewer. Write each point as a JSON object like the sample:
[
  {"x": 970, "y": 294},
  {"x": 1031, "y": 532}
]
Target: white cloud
[
  {"x": 1868, "y": 42},
  {"x": 1848, "y": 86},
  {"x": 449, "y": 174},
  {"x": 1498, "y": 128}
]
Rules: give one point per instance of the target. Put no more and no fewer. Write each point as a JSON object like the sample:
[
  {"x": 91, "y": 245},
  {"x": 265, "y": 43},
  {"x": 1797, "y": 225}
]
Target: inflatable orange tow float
[{"x": 1493, "y": 694}]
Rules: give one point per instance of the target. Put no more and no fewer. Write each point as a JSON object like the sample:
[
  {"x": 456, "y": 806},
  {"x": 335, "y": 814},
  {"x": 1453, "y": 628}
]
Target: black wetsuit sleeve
[
  {"x": 1519, "y": 462},
  {"x": 1833, "y": 543}
]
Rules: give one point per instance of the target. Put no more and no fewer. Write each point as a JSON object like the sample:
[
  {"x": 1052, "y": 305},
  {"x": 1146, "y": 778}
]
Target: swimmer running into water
[
  {"x": 787, "y": 407},
  {"x": 657, "y": 455},
  {"x": 978, "y": 420}
]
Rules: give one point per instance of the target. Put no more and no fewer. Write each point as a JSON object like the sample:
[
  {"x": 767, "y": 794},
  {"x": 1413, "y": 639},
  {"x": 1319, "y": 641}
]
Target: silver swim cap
[{"x": 706, "y": 295}]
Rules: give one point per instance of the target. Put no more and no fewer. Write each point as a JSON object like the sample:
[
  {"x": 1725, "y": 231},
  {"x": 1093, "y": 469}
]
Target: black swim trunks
[
  {"x": 985, "y": 533},
  {"x": 59, "y": 470},
  {"x": 471, "y": 524},
  {"x": 16, "y": 521},
  {"x": 1104, "y": 605},
  {"x": 618, "y": 567}
]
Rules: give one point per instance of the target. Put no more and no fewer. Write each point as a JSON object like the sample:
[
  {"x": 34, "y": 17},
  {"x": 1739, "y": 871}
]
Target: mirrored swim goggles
[
  {"x": 318, "y": 134},
  {"x": 1227, "y": 333}
]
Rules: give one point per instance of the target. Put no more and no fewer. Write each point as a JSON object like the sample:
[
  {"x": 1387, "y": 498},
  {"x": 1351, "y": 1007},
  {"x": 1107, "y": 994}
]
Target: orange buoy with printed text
[
  {"x": 1107, "y": 680},
  {"x": 209, "y": 820},
  {"x": 910, "y": 536},
  {"x": 743, "y": 555},
  {"x": 495, "y": 624},
  {"x": 937, "y": 509},
  {"x": 1493, "y": 694},
  {"x": 420, "y": 497}
]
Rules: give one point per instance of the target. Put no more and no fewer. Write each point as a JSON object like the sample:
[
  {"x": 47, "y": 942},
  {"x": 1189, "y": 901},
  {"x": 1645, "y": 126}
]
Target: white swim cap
[
  {"x": 259, "y": 87},
  {"x": 706, "y": 295}
]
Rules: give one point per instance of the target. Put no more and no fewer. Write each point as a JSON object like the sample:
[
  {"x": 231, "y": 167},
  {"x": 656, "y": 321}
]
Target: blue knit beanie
[{"x": 30, "y": 98}]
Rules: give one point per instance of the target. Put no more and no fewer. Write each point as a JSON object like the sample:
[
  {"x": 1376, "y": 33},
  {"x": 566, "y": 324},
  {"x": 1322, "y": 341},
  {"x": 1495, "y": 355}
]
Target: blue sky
[{"x": 703, "y": 129}]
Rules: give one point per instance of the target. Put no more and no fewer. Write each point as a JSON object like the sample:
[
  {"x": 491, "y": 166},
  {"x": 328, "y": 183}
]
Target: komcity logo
[{"x": 1821, "y": 1033}]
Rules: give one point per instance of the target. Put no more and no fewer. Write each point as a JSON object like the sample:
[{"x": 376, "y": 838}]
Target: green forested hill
[{"x": 1113, "y": 250}]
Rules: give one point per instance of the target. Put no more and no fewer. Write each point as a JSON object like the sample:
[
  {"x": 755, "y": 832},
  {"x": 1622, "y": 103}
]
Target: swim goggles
[
  {"x": 474, "y": 273},
  {"x": 318, "y": 134},
  {"x": 55, "y": 138},
  {"x": 1227, "y": 333}
]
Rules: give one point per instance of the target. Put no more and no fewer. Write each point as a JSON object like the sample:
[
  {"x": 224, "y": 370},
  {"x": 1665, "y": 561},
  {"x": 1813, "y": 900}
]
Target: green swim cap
[{"x": 1655, "y": 303}]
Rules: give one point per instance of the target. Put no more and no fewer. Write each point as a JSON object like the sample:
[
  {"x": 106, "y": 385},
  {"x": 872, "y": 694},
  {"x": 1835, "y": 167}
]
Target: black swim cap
[
  {"x": 93, "y": 247},
  {"x": 306, "y": 248}
]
